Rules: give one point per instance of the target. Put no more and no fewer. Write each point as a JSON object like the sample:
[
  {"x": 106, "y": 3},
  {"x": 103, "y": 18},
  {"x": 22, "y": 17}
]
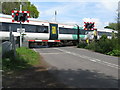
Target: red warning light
[
  {"x": 12, "y": 11},
  {"x": 17, "y": 14},
  {"x": 25, "y": 14},
  {"x": 12, "y": 20}
]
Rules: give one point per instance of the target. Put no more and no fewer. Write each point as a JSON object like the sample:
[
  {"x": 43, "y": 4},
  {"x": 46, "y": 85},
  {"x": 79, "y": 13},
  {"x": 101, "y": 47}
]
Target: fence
[
  {"x": 6, "y": 46},
  {"x": 9, "y": 45}
]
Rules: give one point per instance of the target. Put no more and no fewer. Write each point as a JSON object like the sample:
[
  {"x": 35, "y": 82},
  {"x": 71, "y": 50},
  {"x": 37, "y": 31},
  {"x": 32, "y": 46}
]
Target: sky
[{"x": 102, "y": 12}]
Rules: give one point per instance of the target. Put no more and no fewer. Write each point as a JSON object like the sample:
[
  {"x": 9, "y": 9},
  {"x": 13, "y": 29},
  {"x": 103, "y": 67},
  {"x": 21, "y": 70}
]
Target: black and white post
[{"x": 20, "y": 29}]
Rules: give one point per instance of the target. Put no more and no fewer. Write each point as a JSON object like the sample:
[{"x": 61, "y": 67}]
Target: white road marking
[
  {"x": 51, "y": 53},
  {"x": 35, "y": 50},
  {"x": 91, "y": 59}
]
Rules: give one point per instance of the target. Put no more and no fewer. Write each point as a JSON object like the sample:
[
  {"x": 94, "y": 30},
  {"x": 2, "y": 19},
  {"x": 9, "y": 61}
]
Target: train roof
[
  {"x": 9, "y": 16},
  {"x": 107, "y": 30},
  {"x": 35, "y": 21}
]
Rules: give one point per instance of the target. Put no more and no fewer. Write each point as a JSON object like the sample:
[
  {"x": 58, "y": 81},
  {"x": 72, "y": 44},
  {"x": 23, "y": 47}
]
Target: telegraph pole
[
  {"x": 55, "y": 15},
  {"x": 118, "y": 14},
  {"x": 118, "y": 21}
]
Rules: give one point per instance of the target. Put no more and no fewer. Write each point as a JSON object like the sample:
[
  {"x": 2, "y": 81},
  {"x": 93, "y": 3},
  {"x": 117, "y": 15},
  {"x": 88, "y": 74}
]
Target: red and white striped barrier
[
  {"x": 44, "y": 40},
  {"x": 28, "y": 14}
]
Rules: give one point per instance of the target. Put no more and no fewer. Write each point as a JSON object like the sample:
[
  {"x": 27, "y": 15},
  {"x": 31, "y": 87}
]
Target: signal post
[
  {"x": 90, "y": 26},
  {"x": 20, "y": 16}
]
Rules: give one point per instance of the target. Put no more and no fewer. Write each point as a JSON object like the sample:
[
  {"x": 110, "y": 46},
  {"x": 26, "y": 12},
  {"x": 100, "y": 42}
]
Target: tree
[
  {"x": 113, "y": 26},
  {"x": 7, "y": 7},
  {"x": 107, "y": 27}
]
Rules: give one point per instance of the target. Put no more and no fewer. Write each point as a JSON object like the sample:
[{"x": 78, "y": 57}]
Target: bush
[
  {"x": 114, "y": 53},
  {"x": 91, "y": 46},
  {"x": 104, "y": 45},
  {"x": 115, "y": 43},
  {"x": 82, "y": 45},
  {"x": 104, "y": 37}
]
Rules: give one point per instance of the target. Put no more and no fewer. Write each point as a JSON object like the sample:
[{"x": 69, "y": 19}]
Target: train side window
[
  {"x": 82, "y": 32},
  {"x": 0, "y": 26},
  {"x": 67, "y": 30},
  {"x": 42, "y": 29},
  {"x": 14, "y": 27},
  {"x": 109, "y": 34},
  {"x": 63, "y": 30},
  {"x": 30, "y": 28},
  {"x": 104, "y": 33},
  {"x": 4, "y": 27}
]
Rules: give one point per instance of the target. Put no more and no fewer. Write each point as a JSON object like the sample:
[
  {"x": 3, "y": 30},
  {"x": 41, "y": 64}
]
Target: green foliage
[
  {"x": 115, "y": 43},
  {"x": 30, "y": 56},
  {"x": 24, "y": 58},
  {"x": 113, "y": 26},
  {"x": 91, "y": 46},
  {"x": 114, "y": 53},
  {"x": 7, "y": 7},
  {"x": 108, "y": 27},
  {"x": 104, "y": 37},
  {"x": 105, "y": 46},
  {"x": 82, "y": 45}
]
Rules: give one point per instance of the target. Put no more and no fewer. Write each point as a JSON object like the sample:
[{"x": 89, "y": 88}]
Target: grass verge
[{"x": 24, "y": 58}]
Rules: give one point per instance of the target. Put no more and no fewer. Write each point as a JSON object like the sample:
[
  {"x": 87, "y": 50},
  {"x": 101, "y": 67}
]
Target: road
[{"x": 81, "y": 68}]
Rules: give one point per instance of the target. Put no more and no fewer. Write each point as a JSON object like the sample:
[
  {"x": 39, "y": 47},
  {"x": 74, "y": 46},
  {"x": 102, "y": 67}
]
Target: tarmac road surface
[{"x": 81, "y": 68}]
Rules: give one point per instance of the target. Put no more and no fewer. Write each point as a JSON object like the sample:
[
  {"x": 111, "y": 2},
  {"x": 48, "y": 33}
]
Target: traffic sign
[
  {"x": 20, "y": 31},
  {"x": 89, "y": 25},
  {"x": 20, "y": 16}
]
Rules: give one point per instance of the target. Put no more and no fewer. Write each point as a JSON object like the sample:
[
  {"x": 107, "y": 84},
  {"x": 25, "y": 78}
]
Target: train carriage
[
  {"x": 107, "y": 32},
  {"x": 51, "y": 33},
  {"x": 40, "y": 31}
]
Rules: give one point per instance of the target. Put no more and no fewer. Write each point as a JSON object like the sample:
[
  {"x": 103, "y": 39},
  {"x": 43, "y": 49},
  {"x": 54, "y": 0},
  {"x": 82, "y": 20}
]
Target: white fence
[{"x": 6, "y": 46}]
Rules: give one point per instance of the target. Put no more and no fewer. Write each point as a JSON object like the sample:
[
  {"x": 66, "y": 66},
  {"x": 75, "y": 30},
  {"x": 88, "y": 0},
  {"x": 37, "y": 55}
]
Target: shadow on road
[
  {"x": 34, "y": 77},
  {"x": 39, "y": 77},
  {"x": 84, "y": 79},
  {"x": 40, "y": 46}
]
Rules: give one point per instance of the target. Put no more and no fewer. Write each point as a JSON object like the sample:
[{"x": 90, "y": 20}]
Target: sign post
[
  {"x": 21, "y": 31},
  {"x": 20, "y": 34}
]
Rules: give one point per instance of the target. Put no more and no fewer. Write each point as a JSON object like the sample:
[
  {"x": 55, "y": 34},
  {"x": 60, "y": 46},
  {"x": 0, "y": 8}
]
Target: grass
[
  {"x": 24, "y": 58},
  {"x": 30, "y": 56}
]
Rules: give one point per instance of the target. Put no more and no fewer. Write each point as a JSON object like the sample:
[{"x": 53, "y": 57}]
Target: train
[
  {"x": 107, "y": 32},
  {"x": 39, "y": 32}
]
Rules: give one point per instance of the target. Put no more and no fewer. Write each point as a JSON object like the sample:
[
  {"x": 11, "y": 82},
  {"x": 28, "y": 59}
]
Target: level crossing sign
[{"x": 21, "y": 31}]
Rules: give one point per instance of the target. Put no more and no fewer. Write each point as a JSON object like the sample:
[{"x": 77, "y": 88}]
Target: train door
[{"x": 53, "y": 31}]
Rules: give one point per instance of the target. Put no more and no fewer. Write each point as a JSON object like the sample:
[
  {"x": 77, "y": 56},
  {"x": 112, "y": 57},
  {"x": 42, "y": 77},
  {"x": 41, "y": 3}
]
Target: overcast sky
[{"x": 77, "y": 11}]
